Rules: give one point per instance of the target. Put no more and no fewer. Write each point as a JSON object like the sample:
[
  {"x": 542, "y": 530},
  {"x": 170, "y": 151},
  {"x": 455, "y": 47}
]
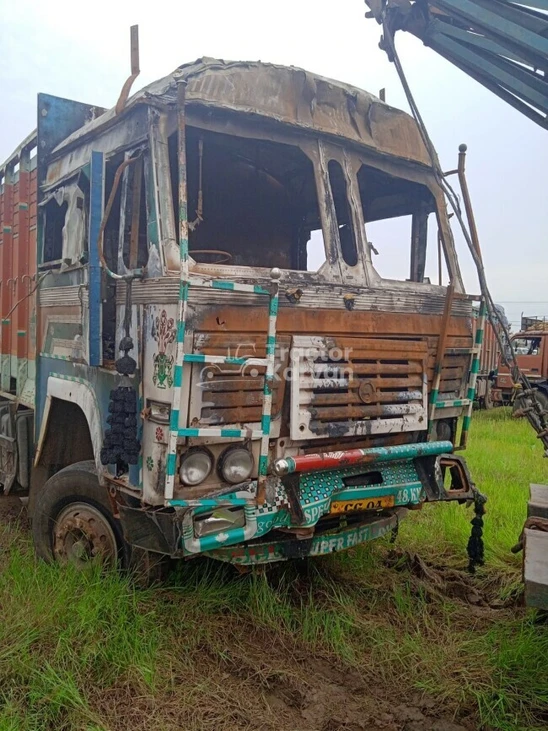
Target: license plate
[{"x": 352, "y": 506}]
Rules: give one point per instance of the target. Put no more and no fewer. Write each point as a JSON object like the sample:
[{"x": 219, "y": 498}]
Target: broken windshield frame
[{"x": 261, "y": 152}]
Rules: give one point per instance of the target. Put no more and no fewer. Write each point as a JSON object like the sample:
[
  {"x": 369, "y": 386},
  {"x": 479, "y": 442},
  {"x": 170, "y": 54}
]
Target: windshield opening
[
  {"x": 399, "y": 218},
  {"x": 250, "y": 202}
]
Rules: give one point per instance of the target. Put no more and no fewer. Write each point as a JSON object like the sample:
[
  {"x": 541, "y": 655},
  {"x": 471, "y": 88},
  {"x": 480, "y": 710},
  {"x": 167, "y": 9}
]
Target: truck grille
[
  {"x": 357, "y": 386},
  {"x": 230, "y": 394}
]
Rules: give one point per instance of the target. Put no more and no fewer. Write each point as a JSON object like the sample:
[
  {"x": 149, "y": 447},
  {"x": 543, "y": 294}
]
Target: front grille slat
[{"x": 357, "y": 386}]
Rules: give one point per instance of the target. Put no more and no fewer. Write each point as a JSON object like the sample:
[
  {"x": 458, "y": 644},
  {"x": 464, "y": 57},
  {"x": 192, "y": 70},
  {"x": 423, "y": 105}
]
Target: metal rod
[
  {"x": 268, "y": 382},
  {"x": 439, "y": 259},
  {"x": 117, "y": 177},
  {"x": 183, "y": 290},
  {"x": 467, "y": 202},
  {"x": 135, "y": 70},
  {"x": 135, "y": 216},
  {"x": 473, "y": 377},
  {"x": 440, "y": 352}
]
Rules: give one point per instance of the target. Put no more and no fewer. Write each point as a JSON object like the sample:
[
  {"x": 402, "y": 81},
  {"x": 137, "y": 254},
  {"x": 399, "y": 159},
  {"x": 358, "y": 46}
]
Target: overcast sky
[{"x": 82, "y": 52}]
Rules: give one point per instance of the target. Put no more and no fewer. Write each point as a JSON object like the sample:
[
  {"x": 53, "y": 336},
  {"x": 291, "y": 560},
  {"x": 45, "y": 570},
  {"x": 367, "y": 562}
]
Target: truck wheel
[{"x": 73, "y": 521}]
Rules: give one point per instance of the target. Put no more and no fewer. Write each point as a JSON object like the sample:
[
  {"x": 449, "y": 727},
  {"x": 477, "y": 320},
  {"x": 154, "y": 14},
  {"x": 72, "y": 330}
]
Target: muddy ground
[{"x": 268, "y": 686}]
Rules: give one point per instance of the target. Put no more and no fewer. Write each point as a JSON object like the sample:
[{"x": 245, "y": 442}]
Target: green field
[{"x": 384, "y": 636}]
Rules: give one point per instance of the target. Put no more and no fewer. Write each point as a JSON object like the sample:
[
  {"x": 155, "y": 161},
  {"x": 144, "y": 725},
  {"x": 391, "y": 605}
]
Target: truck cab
[
  {"x": 532, "y": 358},
  {"x": 222, "y": 365}
]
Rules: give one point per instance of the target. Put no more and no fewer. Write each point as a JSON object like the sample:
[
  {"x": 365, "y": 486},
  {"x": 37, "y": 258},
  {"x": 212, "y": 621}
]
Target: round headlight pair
[{"x": 235, "y": 466}]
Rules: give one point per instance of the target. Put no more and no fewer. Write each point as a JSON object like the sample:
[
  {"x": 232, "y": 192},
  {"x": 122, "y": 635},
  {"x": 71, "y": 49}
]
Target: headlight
[
  {"x": 195, "y": 466},
  {"x": 236, "y": 465}
]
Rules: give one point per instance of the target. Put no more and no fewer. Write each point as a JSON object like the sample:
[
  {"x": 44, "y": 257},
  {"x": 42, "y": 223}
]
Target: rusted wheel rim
[{"x": 83, "y": 534}]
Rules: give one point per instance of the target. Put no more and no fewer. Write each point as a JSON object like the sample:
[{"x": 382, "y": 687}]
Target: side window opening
[
  {"x": 110, "y": 252},
  {"x": 55, "y": 213},
  {"x": 65, "y": 224},
  {"x": 125, "y": 236},
  {"x": 400, "y": 225},
  {"x": 133, "y": 249},
  {"x": 345, "y": 225},
  {"x": 315, "y": 251},
  {"x": 250, "y": 202}
]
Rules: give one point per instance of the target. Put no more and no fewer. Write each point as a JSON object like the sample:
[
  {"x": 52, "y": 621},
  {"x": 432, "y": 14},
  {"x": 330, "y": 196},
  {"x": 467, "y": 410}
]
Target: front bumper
[{"x": 402, "y": 476}]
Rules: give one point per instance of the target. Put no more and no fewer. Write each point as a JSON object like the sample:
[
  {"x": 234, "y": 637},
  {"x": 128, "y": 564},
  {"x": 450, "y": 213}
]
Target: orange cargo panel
[{"x": 18, "y": 220}]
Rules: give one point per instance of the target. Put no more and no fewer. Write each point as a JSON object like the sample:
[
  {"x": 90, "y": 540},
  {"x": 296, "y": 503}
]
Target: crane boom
[{"x": 500, "y": 43}]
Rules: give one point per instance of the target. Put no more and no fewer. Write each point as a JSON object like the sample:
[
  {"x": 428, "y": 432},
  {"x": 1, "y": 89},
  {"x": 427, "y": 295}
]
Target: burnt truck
[{"x": 199, "y": 352}]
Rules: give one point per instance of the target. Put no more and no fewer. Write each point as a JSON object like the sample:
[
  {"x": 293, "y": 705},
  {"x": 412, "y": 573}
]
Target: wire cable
[{"x": 535, "y": 413}]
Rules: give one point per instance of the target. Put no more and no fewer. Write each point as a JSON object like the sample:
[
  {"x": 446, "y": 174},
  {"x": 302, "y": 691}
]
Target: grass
[{"x": 319, "y": 645}]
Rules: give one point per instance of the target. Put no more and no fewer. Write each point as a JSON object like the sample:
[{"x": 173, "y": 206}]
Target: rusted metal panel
[
  {"x": 490, "y": 350},
  {"x": 381, "y": 300},
  {"x": 289, "y": 95},
  {"x": 232, "y": 394}
]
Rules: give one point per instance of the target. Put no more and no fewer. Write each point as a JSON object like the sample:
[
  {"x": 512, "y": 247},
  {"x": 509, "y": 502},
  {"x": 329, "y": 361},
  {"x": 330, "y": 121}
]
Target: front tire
[{"x": 73, "y": 520}]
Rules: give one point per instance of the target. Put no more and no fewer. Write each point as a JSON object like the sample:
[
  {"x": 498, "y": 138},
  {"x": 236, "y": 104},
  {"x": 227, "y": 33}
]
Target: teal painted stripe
[
  {"x": 273, "y": 310},
  {"x": 223, "y": 433},
  {"x": 181, "y": 331},
  {"x": 178, "y": 376},
  {"x": 451, "y": 404},
  {"x": 6, "y": 322},
  {"x": 290, "y": 464},
  {"x": 170, "y": 465},
  {"x": 218, "y": 284},
  {"x": 210, "y": 543},
  {"x": 257, "y": 289},
  {"x": 189, "y": 432},
  {"x": 23, "y": 206},
  {"x": 21, "y": 332},
  {"x": 174, "y": 420},
  {"x": 466, "y": 423},
  {"x": 434, "y": 396},
  {"x": 193, "y": 358},
  {"x": 231, "y": 433},
  {"x": 55, "y": 357},
  {"x": 263, "y": 464},
  {"x": 7, "y": 229},
  {"x": 479, "y": 337},
  {"x": 475, "y": 365},
  {"x": 471, "y": 393},
  {"x": 266, "y": 424}
]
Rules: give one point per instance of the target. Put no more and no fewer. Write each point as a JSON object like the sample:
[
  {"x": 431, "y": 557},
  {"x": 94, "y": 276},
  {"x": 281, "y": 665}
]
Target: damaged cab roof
[{"x": 285, "y": 94}]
